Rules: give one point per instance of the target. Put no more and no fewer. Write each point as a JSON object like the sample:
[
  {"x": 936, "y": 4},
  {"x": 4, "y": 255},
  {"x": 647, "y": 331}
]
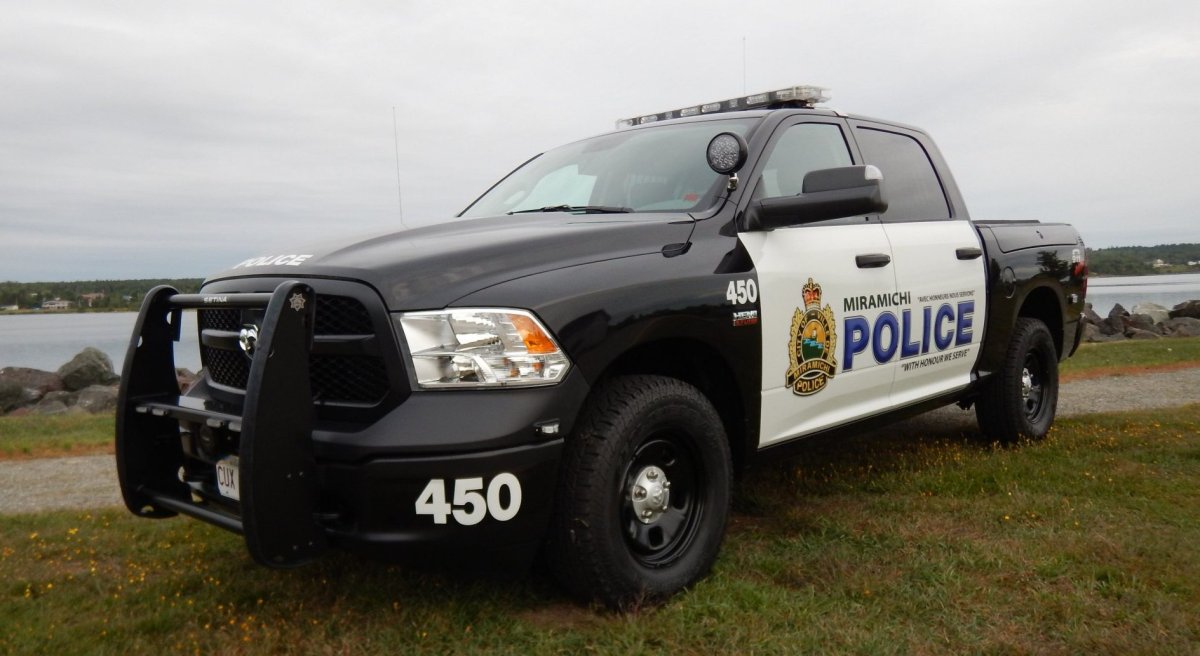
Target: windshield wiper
[{"x": 583, "y": 209}]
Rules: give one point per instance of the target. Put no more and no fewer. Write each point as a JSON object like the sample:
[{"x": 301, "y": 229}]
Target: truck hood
[{"x": 432, "y": 266}]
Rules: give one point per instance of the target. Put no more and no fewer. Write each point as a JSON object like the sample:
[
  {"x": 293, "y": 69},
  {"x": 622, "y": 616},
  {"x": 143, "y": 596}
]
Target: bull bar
[{"x": 277, "y": 478}]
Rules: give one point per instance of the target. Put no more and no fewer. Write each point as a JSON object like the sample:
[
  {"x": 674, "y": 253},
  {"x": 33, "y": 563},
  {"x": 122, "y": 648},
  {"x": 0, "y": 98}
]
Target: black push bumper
[
  {"x": 278, "y": 482},
  {"x": 441, "y": 474}
]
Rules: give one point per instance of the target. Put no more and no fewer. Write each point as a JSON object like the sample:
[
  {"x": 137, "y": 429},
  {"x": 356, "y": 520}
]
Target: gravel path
[
  {"x": 1082, "y": 397},
  {"x": 91, "y": 481},
  {"x": 58, "y": 483}
]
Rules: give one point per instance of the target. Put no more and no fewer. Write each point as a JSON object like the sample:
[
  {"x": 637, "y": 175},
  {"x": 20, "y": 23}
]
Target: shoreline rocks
[
  {"x": 20, "y": 386},
  {"x": 87, "y": 384},
  {"x": 1145, "y": 321},
  {"x": 1186, "y": 310},
  {"x": 89, "y": 367}
]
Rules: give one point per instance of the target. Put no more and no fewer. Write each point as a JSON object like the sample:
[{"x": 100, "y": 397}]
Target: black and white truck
[{"x": 576, "y": 368}]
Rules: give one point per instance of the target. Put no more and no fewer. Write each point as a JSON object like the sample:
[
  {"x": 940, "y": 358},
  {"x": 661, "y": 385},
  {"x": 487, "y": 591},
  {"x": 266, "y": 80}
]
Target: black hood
[{"x": 432, "y": 266}]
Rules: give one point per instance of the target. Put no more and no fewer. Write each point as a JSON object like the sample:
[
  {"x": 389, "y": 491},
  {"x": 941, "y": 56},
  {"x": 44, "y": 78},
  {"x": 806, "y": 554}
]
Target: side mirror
[
  {"x": 828, "y": 194},
  {"x": 727, "y": 153}
]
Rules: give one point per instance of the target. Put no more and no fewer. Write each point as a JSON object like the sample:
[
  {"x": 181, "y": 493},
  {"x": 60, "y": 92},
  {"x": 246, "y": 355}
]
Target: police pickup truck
[{"x": 575, "y": 369}]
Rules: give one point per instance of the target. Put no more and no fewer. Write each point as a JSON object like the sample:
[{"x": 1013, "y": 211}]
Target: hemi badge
[{"x": 745, "y": 318}]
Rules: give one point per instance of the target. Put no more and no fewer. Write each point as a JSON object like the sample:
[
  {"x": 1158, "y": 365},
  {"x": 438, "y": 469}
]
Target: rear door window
[{"x": 910, "y": 183}]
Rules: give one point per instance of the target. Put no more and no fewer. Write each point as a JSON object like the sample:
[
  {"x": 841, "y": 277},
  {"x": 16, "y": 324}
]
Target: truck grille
[
  {"x": 334, "y": 378},
  {"x": 228, "y": 368}
]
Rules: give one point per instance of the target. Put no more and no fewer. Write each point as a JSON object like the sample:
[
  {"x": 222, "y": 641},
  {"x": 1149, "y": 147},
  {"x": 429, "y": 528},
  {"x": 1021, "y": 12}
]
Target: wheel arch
[
  {"x": 1039, "y": 301},
  {"x": 705, "y": 368},
  {"x": 1045, "y": 305}
]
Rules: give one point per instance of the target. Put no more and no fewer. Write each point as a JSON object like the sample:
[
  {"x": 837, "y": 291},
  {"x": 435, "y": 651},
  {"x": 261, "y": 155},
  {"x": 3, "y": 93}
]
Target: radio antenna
[
  {"x": 743, "y": 64},
  {"x": 396, "y": 141}
]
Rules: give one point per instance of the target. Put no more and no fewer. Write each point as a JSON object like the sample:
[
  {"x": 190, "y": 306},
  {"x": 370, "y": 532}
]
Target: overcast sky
[{"x": 161, "y": 139}]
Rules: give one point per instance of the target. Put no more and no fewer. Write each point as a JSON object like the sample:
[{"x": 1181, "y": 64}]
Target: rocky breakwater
[
  {"x": 86, "y": 384},
  {"x": 1143, "y": 321}
]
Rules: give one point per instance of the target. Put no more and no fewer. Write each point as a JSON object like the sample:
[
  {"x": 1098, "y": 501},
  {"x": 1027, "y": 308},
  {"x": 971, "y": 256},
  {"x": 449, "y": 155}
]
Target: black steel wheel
[
  {"x": 644, "y": 493},
  {"x": 1033, "y": 387},
  {"x": 661, "y": 500},
  {"x": 1020, "y": 399}
]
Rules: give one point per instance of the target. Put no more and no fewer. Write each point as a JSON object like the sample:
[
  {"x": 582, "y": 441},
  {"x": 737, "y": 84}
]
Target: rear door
[
  {"x": 938, "y": 264},
  {"x": 808, "y": 276}
]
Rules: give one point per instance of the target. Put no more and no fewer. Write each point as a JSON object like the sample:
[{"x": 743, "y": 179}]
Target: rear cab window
[{"x": 910, "y": 182}]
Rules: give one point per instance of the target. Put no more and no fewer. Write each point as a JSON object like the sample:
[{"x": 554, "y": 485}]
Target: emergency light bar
[{"x": 800, "y": 96}]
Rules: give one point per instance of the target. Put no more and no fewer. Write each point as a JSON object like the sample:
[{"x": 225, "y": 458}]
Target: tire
[
  {"x": 1020, "y": 399},
  {"x": 639, "y": 432}
]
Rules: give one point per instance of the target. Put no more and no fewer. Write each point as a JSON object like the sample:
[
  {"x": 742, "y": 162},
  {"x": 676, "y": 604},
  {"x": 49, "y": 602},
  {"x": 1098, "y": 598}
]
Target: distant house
[
  {"x": 57, "y": 304},
  {"x": 90, "y": 299},
  {"x": 9, "y": 307},
  {"x": 1158, "y": 264}
]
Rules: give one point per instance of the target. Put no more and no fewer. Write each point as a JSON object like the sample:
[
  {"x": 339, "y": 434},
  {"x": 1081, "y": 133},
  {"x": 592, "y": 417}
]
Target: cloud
[{"x": 153, "y": 140}]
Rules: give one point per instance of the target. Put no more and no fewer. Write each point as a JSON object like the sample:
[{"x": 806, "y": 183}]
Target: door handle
[
  {"x": 872, "y": 260},
  {"x": 968, "y": 253}
]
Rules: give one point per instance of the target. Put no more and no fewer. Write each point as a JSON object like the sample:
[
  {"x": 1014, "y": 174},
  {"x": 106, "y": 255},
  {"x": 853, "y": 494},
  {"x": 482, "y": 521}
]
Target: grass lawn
[
  {"x": 893, "y": 543},
  {"x": 55, "y": 435},
  {"x": 1131, "y": 357}
]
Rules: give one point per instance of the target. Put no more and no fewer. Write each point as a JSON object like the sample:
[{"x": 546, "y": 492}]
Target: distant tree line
[
  {"x": 1140, "y": 260},
  {"x": 85, "y": 294}
]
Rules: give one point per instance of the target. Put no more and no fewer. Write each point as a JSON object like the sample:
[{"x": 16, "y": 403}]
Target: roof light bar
[{"x": 799, "y": 95}]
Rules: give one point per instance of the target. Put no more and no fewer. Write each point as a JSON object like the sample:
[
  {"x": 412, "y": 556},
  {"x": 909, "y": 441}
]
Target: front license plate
[{"x": 227, "y": 477}]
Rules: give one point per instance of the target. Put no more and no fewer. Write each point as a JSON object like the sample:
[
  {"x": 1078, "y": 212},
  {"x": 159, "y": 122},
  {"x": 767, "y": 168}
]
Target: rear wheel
[
  {"x": 644, "y": 494},
  {"x": 1020, "y": 399}
]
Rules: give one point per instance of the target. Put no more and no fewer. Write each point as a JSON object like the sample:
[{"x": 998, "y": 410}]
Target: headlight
[{"x": 481, "y": 348}]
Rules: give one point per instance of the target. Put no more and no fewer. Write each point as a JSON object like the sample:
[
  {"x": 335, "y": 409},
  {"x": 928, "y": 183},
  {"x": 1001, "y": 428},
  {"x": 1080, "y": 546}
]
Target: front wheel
[
  {"x": 1020, "y": 399},
  {"x": 644, "y": 493}
]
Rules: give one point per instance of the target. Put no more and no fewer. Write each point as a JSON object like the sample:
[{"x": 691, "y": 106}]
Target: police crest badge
[{"x": 813, "y": 338}]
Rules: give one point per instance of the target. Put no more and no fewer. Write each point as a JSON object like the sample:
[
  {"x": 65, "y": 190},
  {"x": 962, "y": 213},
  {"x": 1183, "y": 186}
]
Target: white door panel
[
  {"x": 947, "y": 311},
  {"x": 806, "y": 383}
]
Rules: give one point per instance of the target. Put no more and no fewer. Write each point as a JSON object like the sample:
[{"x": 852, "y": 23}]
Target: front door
[{"x": 816, "y": 370}]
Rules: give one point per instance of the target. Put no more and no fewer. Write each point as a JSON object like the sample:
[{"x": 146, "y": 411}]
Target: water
[
  {"x": 1166, "y": 290},
  {"x": 48, "y": 341}
]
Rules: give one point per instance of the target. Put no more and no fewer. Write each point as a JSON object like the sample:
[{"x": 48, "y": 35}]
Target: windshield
[{"x": 661, "y": 169}]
